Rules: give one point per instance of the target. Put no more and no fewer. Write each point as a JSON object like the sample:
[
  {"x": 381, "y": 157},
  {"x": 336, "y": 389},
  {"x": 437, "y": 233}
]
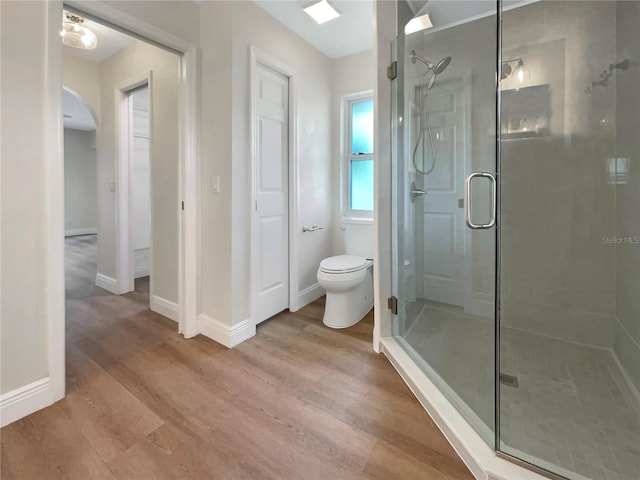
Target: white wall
[
  {"x": 135, "y": 60},
  {"x": 351, "y": 74},
  {"x": 23, "y": 203},
  {"x": 80, "y": 215}
]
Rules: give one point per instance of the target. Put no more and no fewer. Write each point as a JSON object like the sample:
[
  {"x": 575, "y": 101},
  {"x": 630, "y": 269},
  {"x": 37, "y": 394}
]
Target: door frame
[
  {"x": 258, "y": 56},
  {"x": 124, "y": 151},
  {"x": 189, "y": 168}
]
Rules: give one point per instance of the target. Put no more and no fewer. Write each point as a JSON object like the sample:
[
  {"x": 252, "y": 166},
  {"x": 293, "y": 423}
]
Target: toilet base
[{"x": 345, "y": 309}]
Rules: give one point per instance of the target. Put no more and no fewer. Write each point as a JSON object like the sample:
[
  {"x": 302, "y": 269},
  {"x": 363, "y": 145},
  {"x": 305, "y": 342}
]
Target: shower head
[{"x": 441, "y": 65}]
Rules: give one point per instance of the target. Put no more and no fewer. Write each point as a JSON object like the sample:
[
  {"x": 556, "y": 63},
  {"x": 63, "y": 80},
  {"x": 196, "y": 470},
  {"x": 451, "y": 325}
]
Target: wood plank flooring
[{"x": 297, "y": 401}]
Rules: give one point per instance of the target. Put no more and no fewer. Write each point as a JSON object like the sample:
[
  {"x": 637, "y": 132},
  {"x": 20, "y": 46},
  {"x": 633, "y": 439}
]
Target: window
[{"x": 358, "y": 160}]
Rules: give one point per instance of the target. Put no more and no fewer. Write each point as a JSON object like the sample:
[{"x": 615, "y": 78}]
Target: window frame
[{"x": 346, "y": 157}]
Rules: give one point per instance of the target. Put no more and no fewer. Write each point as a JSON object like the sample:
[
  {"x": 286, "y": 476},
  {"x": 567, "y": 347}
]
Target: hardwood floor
[{"x": 297, "y": 401}]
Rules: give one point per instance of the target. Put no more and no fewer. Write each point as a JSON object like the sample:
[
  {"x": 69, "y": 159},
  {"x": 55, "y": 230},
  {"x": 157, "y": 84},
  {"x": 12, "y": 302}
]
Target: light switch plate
[{"x": 215, "y": 184}]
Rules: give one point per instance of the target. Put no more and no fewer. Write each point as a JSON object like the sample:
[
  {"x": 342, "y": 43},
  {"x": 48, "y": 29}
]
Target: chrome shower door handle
[{"x": 468, "y": 215}]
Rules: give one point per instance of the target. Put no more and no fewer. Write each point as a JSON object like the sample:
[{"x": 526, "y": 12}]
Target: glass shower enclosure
[{"x": 516, "y": 237}]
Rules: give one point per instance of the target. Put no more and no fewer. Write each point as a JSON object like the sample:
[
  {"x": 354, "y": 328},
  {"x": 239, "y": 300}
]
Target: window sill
[{"x": 357, "y": 220}]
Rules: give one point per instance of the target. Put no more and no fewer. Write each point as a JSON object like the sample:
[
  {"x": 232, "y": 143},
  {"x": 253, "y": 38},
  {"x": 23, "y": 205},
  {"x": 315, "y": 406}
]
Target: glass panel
[
  {"x": 361, "y": 187},
  {"x": 445, "y": 273},
  {"x": 362, "y": 127},
  {"x": 570, "y": 245}
]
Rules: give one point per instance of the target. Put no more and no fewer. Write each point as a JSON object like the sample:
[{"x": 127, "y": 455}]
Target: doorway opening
[
  {"x": 136, "y": 160},
  {"x": 124, "y": 173}
]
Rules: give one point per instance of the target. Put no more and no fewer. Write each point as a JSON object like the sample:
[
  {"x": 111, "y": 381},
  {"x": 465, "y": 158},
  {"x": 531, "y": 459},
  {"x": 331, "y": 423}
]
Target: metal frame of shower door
[{"x": 498, "y": 226}]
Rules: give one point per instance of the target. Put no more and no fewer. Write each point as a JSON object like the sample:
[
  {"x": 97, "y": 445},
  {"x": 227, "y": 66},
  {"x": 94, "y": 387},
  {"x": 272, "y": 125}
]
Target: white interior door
[
  {"x": 140, "y": 184},
  {"x": 442, "y": 211},
  {"x": 271, "y": 219}
]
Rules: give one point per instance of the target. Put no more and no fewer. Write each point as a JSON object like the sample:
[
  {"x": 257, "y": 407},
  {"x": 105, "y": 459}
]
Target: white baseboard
[
  {"x": 481, "y": 459},
  {"x": 72, "y": 232},
  {"x": 24, "y": 401},
  {"x": 164, "y": 307},
  {"x": 227, "y": 335},
  {"x": 108, "y": 283},
  {"x": 310, "y": 294}
]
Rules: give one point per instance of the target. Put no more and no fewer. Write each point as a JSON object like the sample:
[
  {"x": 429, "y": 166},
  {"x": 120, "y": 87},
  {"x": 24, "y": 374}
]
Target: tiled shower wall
[{"x": 557, "y": 277}]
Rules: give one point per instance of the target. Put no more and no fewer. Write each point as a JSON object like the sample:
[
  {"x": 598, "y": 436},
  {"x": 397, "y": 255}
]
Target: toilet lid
[{"x": 343, "y": 263}]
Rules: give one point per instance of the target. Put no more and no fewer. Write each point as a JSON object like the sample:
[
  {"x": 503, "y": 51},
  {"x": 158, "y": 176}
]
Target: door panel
[
  {"x": 271, "y": 255},
  {"x": 444, "y": 272}
]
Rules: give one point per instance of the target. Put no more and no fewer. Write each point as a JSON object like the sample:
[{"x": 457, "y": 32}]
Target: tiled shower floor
[{"x": 572, "y": 408}]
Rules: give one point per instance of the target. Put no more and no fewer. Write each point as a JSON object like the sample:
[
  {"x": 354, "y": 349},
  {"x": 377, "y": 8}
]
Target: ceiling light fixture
[
  {"x": 75, "y": 35},
  {"x": 418, "y": 23},
  {"x": 321, "y": 11}
]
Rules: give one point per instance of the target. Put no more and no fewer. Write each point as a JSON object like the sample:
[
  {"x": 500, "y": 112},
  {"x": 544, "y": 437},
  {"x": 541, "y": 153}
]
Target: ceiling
[
  {"x": 76, "y": 114},
  {"x": 110, "y": 42},
  {"x": 351, "y": 32}
]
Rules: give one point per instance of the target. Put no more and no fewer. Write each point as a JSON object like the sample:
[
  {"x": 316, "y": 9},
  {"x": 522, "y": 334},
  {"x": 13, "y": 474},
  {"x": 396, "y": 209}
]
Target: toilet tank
[{"x": 358, "y": 239}]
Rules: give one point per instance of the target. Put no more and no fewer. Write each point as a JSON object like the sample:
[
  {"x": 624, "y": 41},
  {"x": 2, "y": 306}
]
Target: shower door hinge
[
  {"x": 392, "y": 71},
  {"x": 392, "y": 304}
]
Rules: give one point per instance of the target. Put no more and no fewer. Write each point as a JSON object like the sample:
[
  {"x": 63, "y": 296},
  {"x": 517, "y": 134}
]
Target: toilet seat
[{"x": 343, "y": 264}]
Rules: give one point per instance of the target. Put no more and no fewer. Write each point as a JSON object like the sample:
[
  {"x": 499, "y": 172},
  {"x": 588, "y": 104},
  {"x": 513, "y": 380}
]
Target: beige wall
[
  {"x": 253, "y": 26},
  {"x": 135, "y": 60},
  {"x": 228, "y": 30},
  {"x": 80, "y": 180},
  {"x": 233, "y": 28},
  {"x": 349, "y": 75},
  {"x": 627, "y": 328},
  {"x": 25, "y": 251},
  {"x": 83, "y": 77},
  {"x": 215, "y": 209},
  {"x": 24, "y": 247}
]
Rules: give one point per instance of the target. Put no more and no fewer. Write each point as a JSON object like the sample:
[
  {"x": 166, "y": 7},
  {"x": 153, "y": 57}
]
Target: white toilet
[{"x": 348, "y": 279}]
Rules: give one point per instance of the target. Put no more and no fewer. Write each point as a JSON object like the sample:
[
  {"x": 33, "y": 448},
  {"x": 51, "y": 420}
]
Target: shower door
[
  {"x": 569, "y": 249},
  {"x": 516, "y": 195},
  {"x": 445, "y": 161}
]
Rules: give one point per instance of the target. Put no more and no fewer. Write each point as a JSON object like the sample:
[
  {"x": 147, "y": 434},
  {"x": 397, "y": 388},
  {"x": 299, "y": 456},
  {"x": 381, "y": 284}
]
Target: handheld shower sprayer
[{"x": 435, "y": 70}]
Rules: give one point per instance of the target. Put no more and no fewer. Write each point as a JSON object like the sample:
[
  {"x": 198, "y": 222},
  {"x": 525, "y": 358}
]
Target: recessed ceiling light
[
  {"x": 321, "y": 11},
  {"x": 418, "y": 23}
]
